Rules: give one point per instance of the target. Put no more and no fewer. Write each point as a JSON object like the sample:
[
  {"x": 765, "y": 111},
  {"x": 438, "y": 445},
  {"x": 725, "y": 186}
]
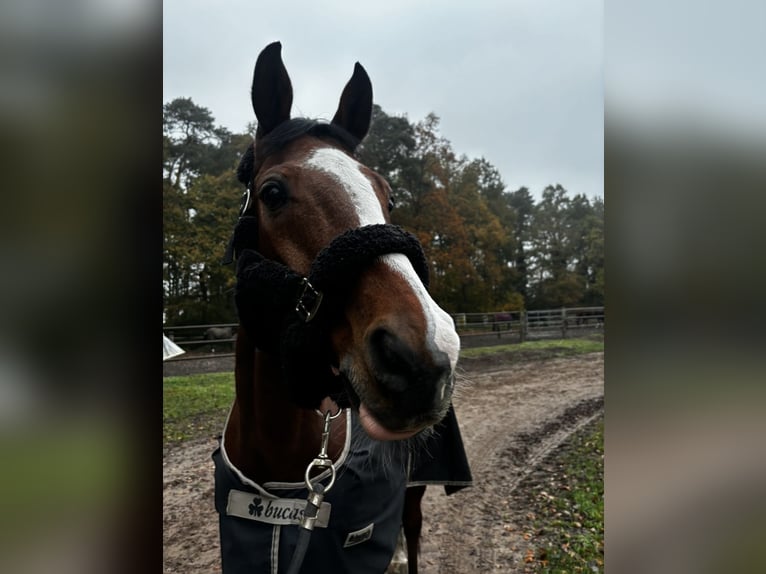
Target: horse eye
[
  {"x": 273, "y": 195},
  {"x": 391, "y": 203}
]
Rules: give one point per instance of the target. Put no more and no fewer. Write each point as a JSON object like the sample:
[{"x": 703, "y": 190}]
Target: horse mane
[{"x": 286, "y": 133}]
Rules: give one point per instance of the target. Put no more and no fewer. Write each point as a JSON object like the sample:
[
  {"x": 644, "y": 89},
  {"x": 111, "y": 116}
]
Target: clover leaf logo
[{"x": 256, "y": 507}]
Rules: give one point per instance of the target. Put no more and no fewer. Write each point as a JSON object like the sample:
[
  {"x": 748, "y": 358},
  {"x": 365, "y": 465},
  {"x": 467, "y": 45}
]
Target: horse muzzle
[{"x": 398, "y": 388}]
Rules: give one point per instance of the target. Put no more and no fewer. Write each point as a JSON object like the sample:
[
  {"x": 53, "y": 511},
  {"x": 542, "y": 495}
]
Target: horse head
[{"x": 378, "y": 334}]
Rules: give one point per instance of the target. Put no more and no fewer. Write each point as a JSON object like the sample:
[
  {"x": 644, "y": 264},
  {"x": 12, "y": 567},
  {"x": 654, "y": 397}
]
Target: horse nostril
[
  {"x": 399, "y": 368},
  {"x": 393, "y": 359}
]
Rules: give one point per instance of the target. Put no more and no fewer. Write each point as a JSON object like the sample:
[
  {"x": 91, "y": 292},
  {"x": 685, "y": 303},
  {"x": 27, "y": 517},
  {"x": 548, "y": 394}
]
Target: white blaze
[{"x": 441, "y": 333}]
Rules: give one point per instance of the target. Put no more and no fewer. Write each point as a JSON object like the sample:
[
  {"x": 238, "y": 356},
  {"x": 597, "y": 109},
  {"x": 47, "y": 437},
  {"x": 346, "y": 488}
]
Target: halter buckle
[{"x": 308, "y": 302}]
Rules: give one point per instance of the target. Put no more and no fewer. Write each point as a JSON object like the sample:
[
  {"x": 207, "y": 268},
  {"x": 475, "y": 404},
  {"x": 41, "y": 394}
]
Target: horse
[
  {"x": 223, "y": 334},
  {"x": 343, "y": 361},
  {"x": 502, "y": 321},
  {"x": 217, "y": 333}
]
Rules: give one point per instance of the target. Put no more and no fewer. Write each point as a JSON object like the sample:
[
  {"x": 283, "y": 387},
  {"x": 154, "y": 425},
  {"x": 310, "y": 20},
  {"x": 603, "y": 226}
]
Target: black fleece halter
[{"x": 289, "y": 315}]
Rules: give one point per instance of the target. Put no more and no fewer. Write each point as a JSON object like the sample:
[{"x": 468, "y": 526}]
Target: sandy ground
[{"x": 511, "y": 417}]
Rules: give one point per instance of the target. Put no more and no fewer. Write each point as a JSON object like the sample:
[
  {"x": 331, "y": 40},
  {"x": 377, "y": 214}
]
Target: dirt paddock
[{"x": 511, "y": 415}]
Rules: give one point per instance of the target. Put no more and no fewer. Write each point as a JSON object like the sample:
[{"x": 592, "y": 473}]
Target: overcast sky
[{"x": 518, "y": 82}]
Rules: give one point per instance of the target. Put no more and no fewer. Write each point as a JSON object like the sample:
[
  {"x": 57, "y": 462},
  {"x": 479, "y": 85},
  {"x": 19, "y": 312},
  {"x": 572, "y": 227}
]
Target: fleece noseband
[{"x": 290, "y": 316}]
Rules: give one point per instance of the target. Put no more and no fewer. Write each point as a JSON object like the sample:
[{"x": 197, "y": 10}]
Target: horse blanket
[
  {"x": 358, "y": 523},
  {"x": 442, "y": 459},
  {"x": 360, "y": 518}
]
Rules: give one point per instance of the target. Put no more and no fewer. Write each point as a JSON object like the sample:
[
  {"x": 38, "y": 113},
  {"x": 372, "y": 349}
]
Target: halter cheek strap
[
  {"x": 246, "y": 230},
  {"x": 290, "y": 315}
]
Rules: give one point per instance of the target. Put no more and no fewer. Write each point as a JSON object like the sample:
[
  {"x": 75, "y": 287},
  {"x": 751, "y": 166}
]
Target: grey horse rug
[
  {"x": 360, "y": 518},
  {"x": 441, "y": 460},
  {"x": 358, "y": 522}
]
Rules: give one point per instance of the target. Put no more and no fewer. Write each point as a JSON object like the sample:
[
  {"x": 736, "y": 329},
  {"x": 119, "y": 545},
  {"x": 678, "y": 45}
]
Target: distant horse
[
  {"x": 215, "y": 333},
  {"x": 341, "y": 353},
  {"x": 587, "y": 317},
  {"x": 501, "y": 321}
]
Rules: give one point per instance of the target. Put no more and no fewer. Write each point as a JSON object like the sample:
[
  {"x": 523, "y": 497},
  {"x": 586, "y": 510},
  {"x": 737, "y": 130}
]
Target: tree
[
  {"x": 567, "y": 250},
  {"x": 592, "y": 254},
  {"x": 389, "y": 147},
  {"x": 522, "y": 206},
  {"x": 200, "y": 200},
  {"x": 476, "y": 192},
  {"x": 189, "y": 140}
]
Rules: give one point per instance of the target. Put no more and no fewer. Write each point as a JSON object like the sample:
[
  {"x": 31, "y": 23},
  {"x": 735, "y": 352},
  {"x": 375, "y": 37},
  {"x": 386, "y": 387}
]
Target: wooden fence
[
  {"x": 475, "y": 329},
  {"x": 479, "y": 329}
]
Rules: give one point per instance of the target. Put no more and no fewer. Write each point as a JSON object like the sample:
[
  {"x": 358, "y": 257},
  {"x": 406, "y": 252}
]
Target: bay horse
[{"x": 341, "y": 353}]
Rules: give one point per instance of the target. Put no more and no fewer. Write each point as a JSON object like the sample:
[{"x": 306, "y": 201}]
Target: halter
[{"x": 289, "y": 315}]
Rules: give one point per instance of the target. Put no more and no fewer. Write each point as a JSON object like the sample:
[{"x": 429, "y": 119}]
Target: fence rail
[
  {"x": 202, "y": 340},
  {"x": 535, "y": 324},
  {"x": 475, "y": 329}
]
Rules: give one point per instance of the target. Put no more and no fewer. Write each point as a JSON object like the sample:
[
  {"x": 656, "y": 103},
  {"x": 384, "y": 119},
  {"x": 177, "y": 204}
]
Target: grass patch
[
  {"x": 570, "y": 510},
  {"x": 195, "y": 405},
  {"x": 535, "y": 349}
]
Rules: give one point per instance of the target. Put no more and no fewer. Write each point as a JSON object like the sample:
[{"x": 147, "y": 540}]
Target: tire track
[{"x": 512, "y": 419}]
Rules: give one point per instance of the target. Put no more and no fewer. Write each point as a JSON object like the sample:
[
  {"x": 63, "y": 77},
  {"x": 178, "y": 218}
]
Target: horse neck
[{"x": 269, "y": 438}]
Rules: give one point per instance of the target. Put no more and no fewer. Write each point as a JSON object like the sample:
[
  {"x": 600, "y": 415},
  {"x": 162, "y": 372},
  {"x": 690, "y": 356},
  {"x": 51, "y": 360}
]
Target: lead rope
[{"x": 315, "y": 496}]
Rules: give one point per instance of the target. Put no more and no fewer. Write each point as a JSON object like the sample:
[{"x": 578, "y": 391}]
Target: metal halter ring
[
  {"x": 323, "y": 460},
  {"x": 332, "y": 417},
  {"x": 320, "y": 463},
  {"x": 244, "y": 204}
]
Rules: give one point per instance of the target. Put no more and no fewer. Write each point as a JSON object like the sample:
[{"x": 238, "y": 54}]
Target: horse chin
[
  {"x": 377, "y": 431},
  {"x": 371, "y": 423}
]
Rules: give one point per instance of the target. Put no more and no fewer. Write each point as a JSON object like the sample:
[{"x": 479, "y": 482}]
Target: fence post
[
  {"x": 522, "y": 326},
  {"x": 564, "y": 322}
]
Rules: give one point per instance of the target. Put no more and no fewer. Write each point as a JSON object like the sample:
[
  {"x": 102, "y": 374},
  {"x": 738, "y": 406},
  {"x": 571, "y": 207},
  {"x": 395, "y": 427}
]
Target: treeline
[{"x": 489, "y": 248}]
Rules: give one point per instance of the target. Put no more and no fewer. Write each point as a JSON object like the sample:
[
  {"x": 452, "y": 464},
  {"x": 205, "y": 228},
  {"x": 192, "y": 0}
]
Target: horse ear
[
  {"x": 272, "y": 92},
  {"x": 355, "y": 108}
]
